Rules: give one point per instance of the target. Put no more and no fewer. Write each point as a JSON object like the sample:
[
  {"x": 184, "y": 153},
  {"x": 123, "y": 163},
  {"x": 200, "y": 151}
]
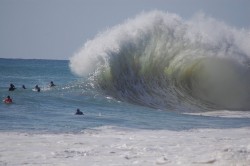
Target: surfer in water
[
  {"x": 78, "y": 112},
  {"x": 52, "y": 84},
  {"x": 8, "y": 100},
  {"x": 12, "y": 87},
  {"x": 23, "y": 87},
  {"x": 37, "y": 88}
]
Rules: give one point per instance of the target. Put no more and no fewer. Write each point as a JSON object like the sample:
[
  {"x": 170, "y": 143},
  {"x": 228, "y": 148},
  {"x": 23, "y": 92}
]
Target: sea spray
[{"x": 160, "y": 60}]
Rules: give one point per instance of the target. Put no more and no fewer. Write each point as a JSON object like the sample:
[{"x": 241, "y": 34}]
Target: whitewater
[
  {"x": 156, "y": 89},
  {"x": 160, "y": 60}
]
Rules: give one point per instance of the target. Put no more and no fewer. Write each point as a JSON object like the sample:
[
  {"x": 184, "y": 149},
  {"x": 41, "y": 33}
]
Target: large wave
[{"x": 160, "y": 60}]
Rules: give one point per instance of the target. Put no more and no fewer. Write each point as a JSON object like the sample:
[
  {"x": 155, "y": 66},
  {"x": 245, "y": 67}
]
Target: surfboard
[
  {"x": 35, "y": 90},
  {"x": 7, "y": 102}
]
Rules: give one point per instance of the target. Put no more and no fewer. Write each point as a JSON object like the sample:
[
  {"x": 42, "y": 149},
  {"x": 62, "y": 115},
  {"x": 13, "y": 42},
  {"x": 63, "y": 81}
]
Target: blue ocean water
[
  {"x": 53, "y": 109},
  {"x": 156, "y": 71}
]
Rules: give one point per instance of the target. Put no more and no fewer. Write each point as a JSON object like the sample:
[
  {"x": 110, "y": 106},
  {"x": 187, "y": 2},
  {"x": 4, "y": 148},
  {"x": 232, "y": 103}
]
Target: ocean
[{"x": 155, "y": 90}]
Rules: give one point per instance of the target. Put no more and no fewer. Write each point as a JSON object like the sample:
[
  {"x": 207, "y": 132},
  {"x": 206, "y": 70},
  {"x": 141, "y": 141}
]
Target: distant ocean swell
[{"x": 160, "y": 60}]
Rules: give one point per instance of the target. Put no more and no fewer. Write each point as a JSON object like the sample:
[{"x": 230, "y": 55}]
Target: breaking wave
[{"x": 160, "y": 60}]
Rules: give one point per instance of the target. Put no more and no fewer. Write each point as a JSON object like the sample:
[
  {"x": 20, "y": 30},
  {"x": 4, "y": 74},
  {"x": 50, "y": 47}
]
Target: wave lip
[{"x": 160, "y": 60}]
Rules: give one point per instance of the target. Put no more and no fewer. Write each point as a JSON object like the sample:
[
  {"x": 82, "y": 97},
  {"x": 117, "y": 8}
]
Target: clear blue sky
[{"x": 56, "y": 29}]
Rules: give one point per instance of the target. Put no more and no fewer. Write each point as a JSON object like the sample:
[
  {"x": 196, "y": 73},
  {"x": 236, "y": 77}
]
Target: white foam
[
  {"x": 224, "y": 114},
  {"x": 156, "y": 57},
  {"x": 198, "y": 37},
  {"x": 114, "y": 146}
]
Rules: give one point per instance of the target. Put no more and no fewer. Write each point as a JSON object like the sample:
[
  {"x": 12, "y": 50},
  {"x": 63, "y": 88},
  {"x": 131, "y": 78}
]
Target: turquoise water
[{"x": 52, "y": 110}]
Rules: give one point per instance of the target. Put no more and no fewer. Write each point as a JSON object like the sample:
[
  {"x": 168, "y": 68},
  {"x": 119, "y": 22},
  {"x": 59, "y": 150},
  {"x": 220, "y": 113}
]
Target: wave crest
[{"x": 160, "y": 60}]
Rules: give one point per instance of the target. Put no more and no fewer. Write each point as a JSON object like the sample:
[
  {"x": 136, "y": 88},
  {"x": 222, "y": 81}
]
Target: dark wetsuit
[
  {"x": 52, "y": 84},
  {"x": 37, "y": 88},
  {"x": 12, "y": 87},
  {"x": 78, "y": 112}
]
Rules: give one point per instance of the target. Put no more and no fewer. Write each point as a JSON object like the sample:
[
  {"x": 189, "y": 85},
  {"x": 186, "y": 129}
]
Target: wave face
[{"x": 160, "y": 60}]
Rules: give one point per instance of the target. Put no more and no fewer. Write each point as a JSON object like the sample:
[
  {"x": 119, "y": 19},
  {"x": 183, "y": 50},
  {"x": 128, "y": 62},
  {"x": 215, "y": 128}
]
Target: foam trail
[{"x": 160, "y": 60}]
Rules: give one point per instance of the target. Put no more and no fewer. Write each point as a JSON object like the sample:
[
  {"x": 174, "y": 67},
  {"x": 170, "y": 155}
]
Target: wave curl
[{"x": 160, "y": 60}]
